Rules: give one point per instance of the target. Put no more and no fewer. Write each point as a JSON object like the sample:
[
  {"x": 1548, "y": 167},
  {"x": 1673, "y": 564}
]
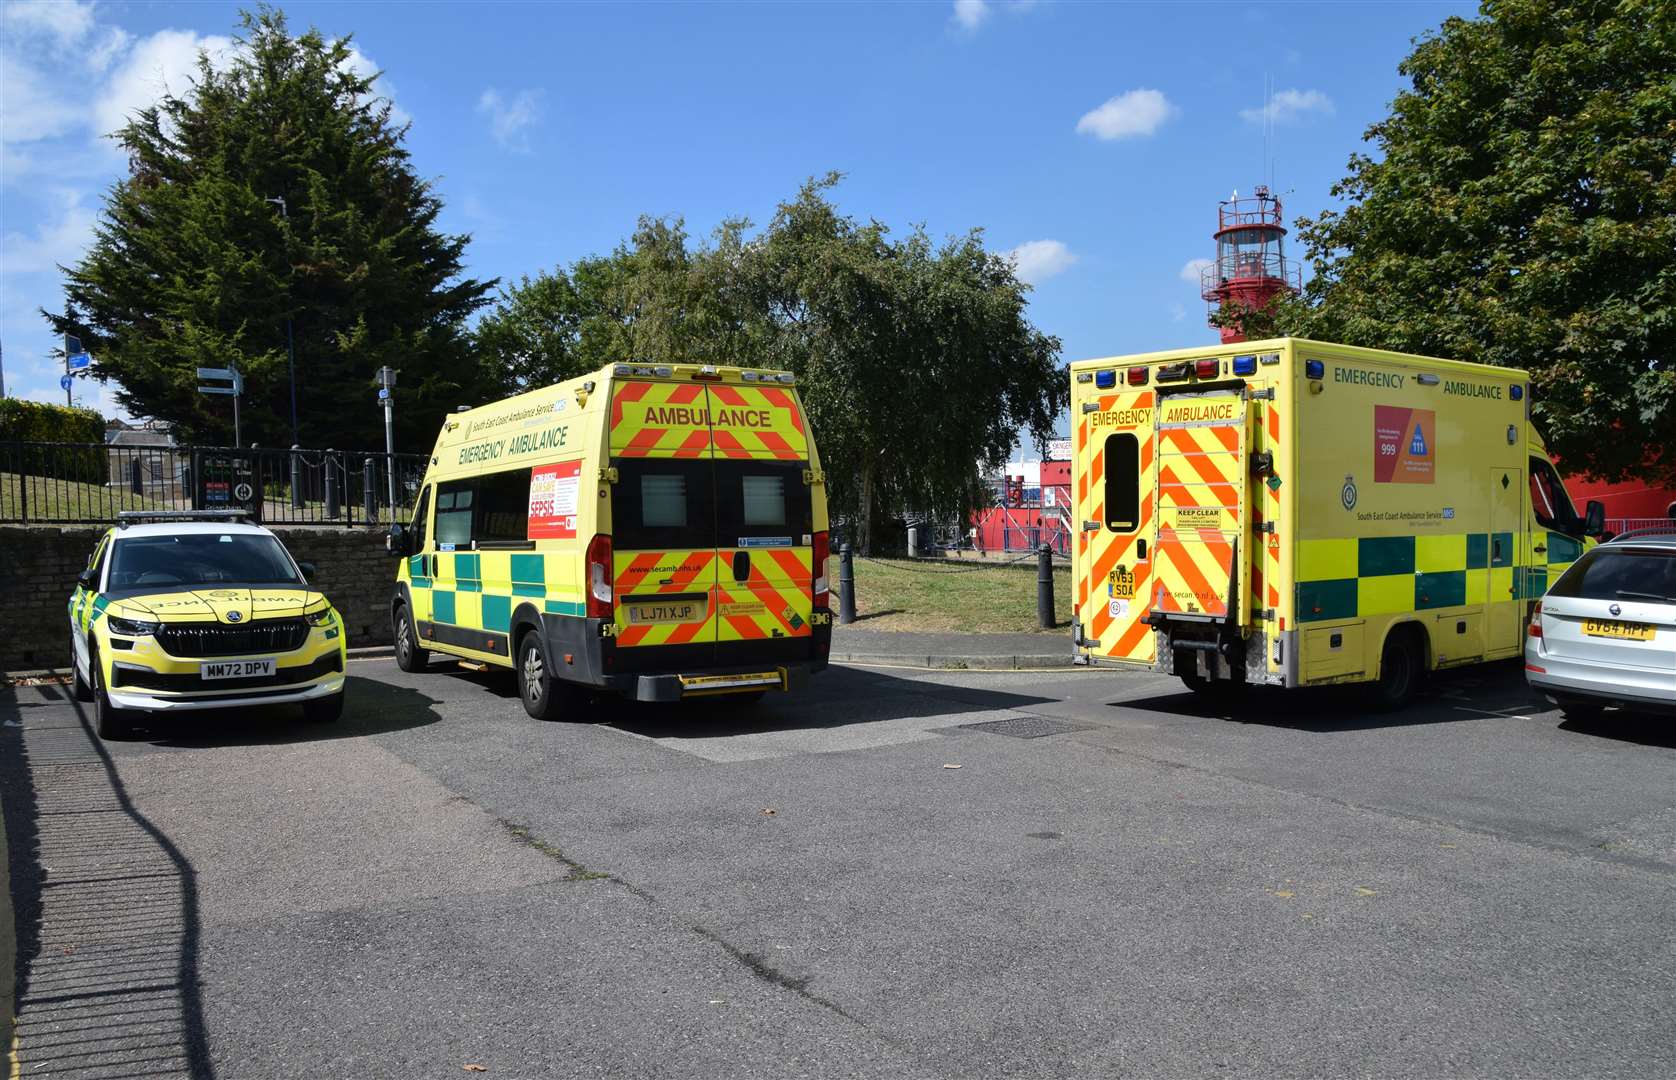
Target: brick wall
[{"x": 39, "y": 564}]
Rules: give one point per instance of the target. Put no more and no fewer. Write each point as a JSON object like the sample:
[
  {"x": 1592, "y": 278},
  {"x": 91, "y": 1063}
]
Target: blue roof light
[
  {"x": 1314, "y": 369},
  {"x": 1245, "y": 365},
  {"x": 1105, "y": 380},
  {"x": 1516, "y": 392}
]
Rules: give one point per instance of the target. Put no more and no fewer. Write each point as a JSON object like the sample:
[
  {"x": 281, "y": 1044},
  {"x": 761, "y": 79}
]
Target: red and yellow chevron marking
[
  {"x": 757, "y": 422},
  {"x": 664, "y": 420},
  {"x": 642, "y": 576},
  {"x": 1201, "y": 507},
  {"x": 774, "y": 601},
  {"x": 1108, "y": 563}
]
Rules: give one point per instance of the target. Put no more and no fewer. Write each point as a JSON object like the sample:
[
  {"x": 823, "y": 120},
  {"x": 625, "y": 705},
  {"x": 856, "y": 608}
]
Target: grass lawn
[
  {"x": 61, "y": 499},
  {"x": 896, "y": 594}
]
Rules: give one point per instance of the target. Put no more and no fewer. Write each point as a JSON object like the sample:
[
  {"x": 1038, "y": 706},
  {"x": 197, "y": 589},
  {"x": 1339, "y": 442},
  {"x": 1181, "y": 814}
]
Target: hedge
[{"x": 35, "y": 421}]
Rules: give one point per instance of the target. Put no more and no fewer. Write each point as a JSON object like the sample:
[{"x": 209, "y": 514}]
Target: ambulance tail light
[
  {"x": 599, "y": 577},
  {"x": 820, "y": 591},
  {"x": 1207, "y": 369},
  {"x": 1137, "y": 376}
]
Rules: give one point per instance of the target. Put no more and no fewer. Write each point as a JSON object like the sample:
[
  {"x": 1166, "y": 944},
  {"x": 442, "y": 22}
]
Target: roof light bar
[{"x": 1207, "y": 369}]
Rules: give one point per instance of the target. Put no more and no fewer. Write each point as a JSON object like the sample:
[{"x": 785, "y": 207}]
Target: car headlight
[
  {"x": 323, "y": 617},
  {"x": 130, "y": 627}
]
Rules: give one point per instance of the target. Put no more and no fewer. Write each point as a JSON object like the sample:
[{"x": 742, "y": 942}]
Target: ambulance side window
[
  {"x": 1123, "y": 482},
  {"x": 420, "y": 515},
  {"x": 1549, "y": 500},
  {"x": 503, "y": 507},
  {"x": 453, "y": 512}
]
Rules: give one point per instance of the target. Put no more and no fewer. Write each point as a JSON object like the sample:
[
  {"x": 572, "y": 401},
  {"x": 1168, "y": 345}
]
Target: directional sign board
[
  {"x": 80, "y": 360},
  {"x": 215, "y": 373},
  {"x": 204, "y": 389}
]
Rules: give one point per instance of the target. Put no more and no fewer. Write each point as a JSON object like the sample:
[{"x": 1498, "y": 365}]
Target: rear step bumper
[{"x": 676, "y": 687}]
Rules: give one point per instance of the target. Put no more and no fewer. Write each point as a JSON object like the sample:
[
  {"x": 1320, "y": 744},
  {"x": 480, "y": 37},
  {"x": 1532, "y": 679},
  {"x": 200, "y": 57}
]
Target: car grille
[{"x": 215, "y": 639}]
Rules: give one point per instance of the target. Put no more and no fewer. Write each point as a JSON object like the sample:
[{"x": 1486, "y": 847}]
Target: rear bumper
[
  {"x": 717, "y": 683},
  {"x": 1633, "y": 688}
]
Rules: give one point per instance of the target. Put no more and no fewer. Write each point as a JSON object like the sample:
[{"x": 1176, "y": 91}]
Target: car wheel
[
  {"x": 1400, "y": 671},
  {"x": 109, "y": 721},
  {"x": 544, "y": 696},
  {"x": 324, "y": 710},
  {"x": 79, "y": 684},
  {"x": 1210, "y": 689},
  {"x": 409, "y": 656}
]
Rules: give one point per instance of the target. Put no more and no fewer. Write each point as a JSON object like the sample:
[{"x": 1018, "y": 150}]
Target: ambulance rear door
[
  {"x": 1114, "y": 453},
  {"x": 1203, "y": 557}
]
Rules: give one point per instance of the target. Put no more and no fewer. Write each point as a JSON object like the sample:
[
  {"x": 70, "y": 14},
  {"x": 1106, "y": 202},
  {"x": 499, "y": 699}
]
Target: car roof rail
[
  {"x": 146, "y": 517},
  {"x": 1652, "y": 530}
]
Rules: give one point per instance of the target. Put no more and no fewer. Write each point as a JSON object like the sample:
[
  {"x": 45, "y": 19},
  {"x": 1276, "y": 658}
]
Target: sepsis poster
[
  {"x": 553, "y": 490},
  {"x": 1404, "y": 445}
]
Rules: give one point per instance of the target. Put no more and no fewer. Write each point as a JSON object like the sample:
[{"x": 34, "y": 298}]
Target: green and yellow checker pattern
[
  {"x": 1387, "y": 575},
  {"x": 488, "y": 585}
]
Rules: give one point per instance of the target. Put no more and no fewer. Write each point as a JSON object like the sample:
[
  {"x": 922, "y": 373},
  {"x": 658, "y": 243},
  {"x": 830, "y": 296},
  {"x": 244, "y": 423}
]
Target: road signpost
[
  {"x": 234, "y": 386},
  {"x": 387, "y": 398},
  {"x": 76, "y": 358}
]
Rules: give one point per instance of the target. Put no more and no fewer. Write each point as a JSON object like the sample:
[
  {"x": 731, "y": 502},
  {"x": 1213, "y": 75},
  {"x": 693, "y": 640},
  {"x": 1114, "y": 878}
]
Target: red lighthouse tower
[{"x": 1250, "y": 268}]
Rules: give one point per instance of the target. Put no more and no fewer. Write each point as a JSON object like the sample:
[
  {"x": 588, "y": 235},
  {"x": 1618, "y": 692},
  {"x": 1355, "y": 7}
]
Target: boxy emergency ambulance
[
  {"x": 1296, "y": 513},
  {"x": 656, "y": 531}
]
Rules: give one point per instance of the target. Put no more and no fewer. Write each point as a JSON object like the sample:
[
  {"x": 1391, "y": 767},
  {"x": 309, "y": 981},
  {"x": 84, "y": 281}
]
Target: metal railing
[
  {"x": 90, "y": 483},
  {"x": 1246, "y": 267}
]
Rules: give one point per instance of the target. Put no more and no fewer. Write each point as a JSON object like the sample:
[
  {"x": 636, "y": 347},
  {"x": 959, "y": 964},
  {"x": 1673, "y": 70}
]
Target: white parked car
[{"x": 1605, "y": 633}]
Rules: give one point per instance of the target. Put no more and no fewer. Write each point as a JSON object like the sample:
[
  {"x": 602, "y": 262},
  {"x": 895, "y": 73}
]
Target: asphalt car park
[{"x": 897, "y": 874}]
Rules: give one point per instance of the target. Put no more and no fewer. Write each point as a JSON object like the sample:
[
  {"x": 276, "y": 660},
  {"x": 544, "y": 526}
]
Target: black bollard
[
  {"x": 327, "y": 462},
  {"x": 846, "y": 585},
  {"x": 1044, "y": 587},
  {"x": 296, "y": 478},
  {"x": 369, "y": 492}
]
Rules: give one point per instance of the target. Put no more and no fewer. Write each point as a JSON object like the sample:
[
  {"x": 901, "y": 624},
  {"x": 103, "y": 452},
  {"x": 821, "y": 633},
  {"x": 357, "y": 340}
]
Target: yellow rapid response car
[{"x": 189, "y": 611}]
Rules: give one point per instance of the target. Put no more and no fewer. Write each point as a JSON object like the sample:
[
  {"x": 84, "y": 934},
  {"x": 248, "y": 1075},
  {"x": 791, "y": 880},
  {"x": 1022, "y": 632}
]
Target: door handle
[
  {"x": 741, "y": 565},
  {"x": 1540, "y": 549}
]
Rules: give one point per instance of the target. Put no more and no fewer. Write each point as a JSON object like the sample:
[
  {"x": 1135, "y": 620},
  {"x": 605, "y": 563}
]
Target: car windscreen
[
  {"x": 1608, "y": 573},
  {"x": 195, "y": 560}
]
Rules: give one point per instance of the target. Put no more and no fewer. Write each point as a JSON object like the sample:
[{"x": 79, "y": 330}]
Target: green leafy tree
[
  {"x": 194, "y": 265},
  {"x": 916, "y": 363},
  {"x": 1521, "y": 211}
]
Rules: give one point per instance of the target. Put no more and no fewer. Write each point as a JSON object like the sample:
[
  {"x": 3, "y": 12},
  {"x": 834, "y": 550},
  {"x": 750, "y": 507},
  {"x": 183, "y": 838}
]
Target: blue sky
[{"x": 1093, "y": 140}]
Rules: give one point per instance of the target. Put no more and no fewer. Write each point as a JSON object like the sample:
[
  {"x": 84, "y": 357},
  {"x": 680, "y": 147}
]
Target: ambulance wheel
[
  {"x": 109, "y": 721},
  {"x": 1212, "y": 689},
  {"x": 324, "y": 710},
  {"x": 544, "y": 697},
  {"x": 409, "y": 656},
  {"x": 1400, "y": 669},
  {"x": 83, "y": 691}
]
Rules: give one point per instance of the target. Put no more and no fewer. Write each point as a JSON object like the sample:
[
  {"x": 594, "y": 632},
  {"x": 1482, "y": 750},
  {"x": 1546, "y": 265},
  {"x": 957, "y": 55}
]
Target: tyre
[
  {"x": 79, "y": 685},
  {"x": 409, "y": 656},
  {"x": 1401, "y": 667},
  {"x": 109, "y": 721},
  {"x": 1210, "y": 689},
  {"x": 324, "y": 710},
  {"x": 544, "y": 696}
]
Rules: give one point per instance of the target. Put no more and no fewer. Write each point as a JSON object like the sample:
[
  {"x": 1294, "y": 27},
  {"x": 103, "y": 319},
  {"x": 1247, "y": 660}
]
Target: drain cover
[{"x": 1026, "y": 727}]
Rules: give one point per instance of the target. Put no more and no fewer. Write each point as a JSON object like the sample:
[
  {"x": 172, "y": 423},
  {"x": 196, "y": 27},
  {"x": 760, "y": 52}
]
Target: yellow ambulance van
[
  {"x": 653, "y": 531},
  {"x": 1296, "y": 513}
]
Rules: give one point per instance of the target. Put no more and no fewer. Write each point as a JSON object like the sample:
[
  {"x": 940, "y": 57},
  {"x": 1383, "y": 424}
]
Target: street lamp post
[{"x": 290, "y": 347}]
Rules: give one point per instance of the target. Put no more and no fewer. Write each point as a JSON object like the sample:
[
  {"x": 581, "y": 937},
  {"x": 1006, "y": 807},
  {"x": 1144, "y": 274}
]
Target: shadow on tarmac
[
  {"x": 371, "y": 707},
  {"x": 838, "y": 697},
  {"x": 106, "y": 907}
]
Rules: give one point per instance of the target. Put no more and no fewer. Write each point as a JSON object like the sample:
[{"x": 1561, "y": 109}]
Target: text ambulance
[
  {"x": 1296, "y": 513},
  {"x": 658, "y": 531}
]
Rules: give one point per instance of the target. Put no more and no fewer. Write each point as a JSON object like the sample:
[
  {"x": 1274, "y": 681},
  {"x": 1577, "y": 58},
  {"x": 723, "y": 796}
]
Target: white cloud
[
  {"x": 58, "y": 241},
  {"x": 511, "y": 118},
  {"x": 1290, "y": 106},
  {"x": 164, "y": 63},
  {"x": 61, "y": 22},
  {"x": 1137, "y": 112},
  {"x": 1038, "y": 260},
  {"x": 970, "y": 14},
  {"x": 1192, "y": 268}
]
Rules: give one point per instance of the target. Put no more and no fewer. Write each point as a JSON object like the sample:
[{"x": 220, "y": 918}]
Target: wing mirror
[
  {"x": 1594, "y": 518},
  {"x": 87, "y": 578},
  {"x": 308, "y": 569},
  {"x": 398, "y": 541}
]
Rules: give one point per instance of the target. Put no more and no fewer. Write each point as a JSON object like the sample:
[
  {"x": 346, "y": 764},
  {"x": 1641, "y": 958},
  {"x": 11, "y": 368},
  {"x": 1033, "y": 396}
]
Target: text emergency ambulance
[
  {"x": 659, "y": 531},
  {"x": 1296, "y": 513}
]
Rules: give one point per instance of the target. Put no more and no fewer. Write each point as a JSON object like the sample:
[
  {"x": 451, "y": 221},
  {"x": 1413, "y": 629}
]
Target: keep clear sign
[{"x": 553, "y": 490}]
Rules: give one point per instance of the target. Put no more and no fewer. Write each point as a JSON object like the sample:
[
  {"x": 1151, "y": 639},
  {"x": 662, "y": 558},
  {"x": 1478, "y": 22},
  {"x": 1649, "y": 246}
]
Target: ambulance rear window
[
  {"x": 1123, "y": 482},
  {"x": 663, "y": 505}
]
